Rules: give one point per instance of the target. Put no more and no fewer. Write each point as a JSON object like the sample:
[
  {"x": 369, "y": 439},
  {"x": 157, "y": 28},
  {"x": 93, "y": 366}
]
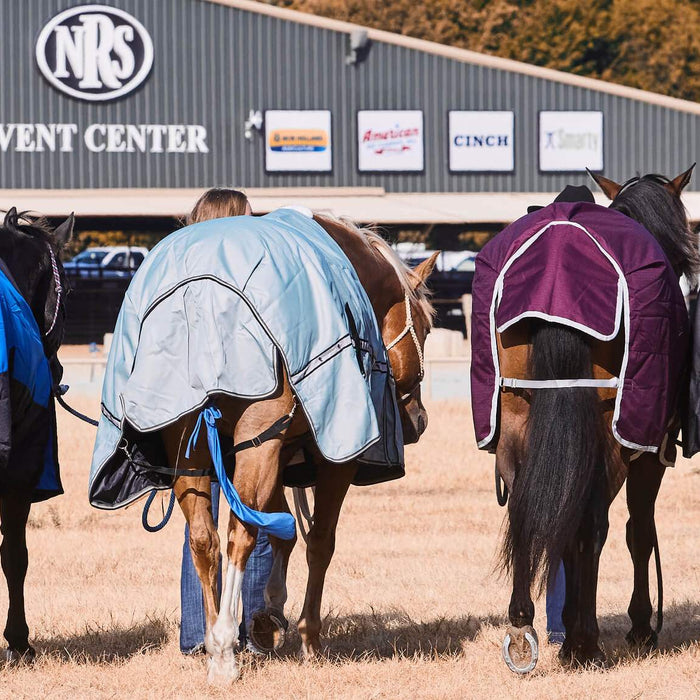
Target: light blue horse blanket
[{"x": 214, "y": 309}]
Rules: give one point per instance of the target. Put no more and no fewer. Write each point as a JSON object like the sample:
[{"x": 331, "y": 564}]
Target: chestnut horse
[
  {"x": 404, "y": 315},
  {"x": 30, "y": 260},
  {"x": 562, "y": 465}
]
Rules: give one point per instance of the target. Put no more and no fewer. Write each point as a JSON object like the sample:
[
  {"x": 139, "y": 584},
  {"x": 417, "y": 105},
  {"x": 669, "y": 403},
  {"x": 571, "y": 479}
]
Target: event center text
[{"x": 107, "y": 138}]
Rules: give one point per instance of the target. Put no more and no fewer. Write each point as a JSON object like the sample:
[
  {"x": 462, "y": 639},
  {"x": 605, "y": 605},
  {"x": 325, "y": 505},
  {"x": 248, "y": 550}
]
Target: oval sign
[{"x": 94, "y": 52}]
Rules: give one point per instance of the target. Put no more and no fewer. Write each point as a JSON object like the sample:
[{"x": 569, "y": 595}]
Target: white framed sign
[
  {"x": 571, "y": 141},
  {"x": 298, "y": 141},
  {"x": 481, "y": 141},
  {"x": 390, "y": 140}
]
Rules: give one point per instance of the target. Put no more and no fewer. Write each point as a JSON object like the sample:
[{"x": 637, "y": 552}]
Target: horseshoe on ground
[{"x": 521, "y": 649}]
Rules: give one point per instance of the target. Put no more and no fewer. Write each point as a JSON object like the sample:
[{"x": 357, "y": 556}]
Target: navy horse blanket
[
  {"x": 596, "y": 270},
  {"x": 221, "y": 307},
  {"x": 28, "y": 451}
]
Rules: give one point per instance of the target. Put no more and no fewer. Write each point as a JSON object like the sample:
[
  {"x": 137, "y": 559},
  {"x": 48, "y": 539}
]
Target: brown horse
[
  {"x": 561, "y": 463},
  {"x": 398, "y": 298}
]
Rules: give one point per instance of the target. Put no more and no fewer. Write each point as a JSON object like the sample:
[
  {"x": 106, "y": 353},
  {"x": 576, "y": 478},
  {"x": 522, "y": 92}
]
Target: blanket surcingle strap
[{"x": 280, "y": 525}]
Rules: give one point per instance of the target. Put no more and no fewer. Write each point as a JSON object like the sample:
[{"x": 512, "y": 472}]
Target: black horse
[{"x": 30, "y": 262}]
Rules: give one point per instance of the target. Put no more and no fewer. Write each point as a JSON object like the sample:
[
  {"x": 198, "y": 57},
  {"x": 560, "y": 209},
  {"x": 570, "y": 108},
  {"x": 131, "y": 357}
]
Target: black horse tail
[{"x": 564, "y": 457}]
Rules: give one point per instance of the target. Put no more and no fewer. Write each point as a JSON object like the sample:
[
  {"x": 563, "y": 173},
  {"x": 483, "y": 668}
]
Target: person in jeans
[{"x": 218, "y": 203}]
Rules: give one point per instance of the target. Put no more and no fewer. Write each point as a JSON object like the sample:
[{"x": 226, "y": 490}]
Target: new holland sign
[{"x": 94, "y": 52}]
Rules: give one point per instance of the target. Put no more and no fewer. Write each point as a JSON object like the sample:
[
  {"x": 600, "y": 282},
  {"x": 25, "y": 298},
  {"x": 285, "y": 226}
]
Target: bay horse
[
  {"x": 563, "y": 466},
  {"x": 404, "y": 315},
  {"x": 30, "y": 260}
]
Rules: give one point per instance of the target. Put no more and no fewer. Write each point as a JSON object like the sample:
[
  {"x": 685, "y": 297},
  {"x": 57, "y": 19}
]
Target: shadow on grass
[
  {"x": 107, "y": 644},
  {"x": 390, "y": 634}
]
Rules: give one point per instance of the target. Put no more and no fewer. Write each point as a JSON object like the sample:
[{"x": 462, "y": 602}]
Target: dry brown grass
[{"x": 412, "y": 605}]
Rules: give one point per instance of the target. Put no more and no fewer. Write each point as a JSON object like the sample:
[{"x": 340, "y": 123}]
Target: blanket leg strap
[
  {"x": 166, "y": 516},
  {"x": 501, "y": 489},
  {"x": 280, "y": 525},
  {"x": 659, "y": 586}
]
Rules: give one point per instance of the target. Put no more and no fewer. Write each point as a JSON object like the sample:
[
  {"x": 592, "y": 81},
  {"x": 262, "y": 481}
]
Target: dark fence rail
[{"x": 92, "y": 307}]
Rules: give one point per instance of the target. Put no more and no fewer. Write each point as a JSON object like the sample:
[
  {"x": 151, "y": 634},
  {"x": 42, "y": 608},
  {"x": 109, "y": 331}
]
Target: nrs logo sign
[{"x": 94, "y": 52}]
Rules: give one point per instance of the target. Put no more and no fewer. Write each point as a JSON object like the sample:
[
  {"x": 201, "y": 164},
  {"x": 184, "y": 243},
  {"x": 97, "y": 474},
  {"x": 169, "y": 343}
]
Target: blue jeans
[
  {"x": 257, "y": 573},
  {"x": 556, "y": 596}
]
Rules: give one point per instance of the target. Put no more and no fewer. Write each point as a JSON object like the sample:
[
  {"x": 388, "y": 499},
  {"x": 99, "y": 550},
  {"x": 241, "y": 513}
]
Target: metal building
[{"x": 132, "y": 107}]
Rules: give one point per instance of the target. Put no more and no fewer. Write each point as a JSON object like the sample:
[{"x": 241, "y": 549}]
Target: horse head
[
  {"x": 654, "y": 201},
  {"x": 31, "y": 254},
  {"x": 405, "y": 328}
]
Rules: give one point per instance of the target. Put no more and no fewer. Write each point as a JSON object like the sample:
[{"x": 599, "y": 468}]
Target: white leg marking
[{"x": 220, "y": 639}]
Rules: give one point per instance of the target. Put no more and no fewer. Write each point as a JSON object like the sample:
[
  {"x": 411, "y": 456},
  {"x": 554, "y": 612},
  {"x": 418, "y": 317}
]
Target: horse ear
[
  {"x": 678, "y": 183},
  {"x": 64, "y": 231},
  {"x": 610, "y": 188},
  {"x": 10, "y": 222},
  {"x": 424, "y": 270}
]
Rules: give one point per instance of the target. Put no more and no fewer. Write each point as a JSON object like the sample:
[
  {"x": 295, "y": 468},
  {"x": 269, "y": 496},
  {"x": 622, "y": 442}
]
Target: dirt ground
[{"x": 413, "y": 608}]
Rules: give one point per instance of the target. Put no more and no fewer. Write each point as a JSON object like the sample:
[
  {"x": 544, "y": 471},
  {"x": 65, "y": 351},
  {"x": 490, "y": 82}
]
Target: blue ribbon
[{"x": 280, "y": 525}]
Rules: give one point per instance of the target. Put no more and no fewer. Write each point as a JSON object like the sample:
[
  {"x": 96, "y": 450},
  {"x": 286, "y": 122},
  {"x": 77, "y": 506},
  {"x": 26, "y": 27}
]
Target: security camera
[
  {"x": 358, "y": 43},
  {"x": 254, "y": 121},
  {"x": 358, "y": 39}
]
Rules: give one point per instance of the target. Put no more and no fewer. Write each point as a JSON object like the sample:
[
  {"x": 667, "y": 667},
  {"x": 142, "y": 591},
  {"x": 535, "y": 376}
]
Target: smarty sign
[
  {"x": 298, "y": 141},
  {"x": 94, "y": 52},
  {"x": 481, "y": 141},
  {"x": 571, "y": 141}
]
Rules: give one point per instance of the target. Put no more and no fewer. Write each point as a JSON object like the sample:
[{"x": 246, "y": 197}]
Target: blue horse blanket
[
  {"x": 28, "y": 452},
  {"x": 220, "y": 307}
]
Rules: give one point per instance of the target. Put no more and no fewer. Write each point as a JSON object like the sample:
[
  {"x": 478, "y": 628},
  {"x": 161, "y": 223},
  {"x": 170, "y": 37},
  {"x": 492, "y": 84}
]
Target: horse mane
[
  {"x": 411, "y": 285},
  {"x": 648, "y": 201}
]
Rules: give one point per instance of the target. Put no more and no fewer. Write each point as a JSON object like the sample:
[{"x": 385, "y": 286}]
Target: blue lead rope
[{"x": 280, "y": 525}]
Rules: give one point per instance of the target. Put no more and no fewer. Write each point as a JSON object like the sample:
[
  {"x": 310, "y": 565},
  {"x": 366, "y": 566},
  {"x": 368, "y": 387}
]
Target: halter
[
  {"x": 59, "y": 289},
  {"x": 409, "y": 328}
]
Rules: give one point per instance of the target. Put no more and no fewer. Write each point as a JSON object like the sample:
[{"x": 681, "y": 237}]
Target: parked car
[{"x": 109, "y": 262}]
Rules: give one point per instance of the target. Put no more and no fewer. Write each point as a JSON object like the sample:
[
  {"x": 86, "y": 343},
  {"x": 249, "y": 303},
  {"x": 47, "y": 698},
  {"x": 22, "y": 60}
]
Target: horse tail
[{"x": 564, "y": 456}]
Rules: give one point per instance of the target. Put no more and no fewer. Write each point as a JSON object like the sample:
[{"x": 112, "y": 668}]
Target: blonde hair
[{"x": 217, "y": 203}]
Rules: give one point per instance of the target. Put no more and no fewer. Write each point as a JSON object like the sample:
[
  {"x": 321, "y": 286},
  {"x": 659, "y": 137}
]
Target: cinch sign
[
  {"x": 481, "y": 141},
  {"x": 94, "y": 52},
  {"x": 298, "y": 140}
]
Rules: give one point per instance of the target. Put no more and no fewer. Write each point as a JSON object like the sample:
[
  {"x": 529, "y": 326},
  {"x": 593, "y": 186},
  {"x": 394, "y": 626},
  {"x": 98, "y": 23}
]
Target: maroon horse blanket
[{"x": 598, "y": 271}]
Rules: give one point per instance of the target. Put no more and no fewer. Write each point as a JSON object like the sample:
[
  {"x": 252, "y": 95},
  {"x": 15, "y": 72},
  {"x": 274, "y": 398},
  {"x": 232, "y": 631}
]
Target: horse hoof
[
  {"x": 521, "y": 649},
  {"x": 12, "y": 657},
  {"x": 578, "y": 657},
  {"x": 268, "y": 630},
  {"x": 645, "y": 641},
  {"x": 222, "y": 671}
]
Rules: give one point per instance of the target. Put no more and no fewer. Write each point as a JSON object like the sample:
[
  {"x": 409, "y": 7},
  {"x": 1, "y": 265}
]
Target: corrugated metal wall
[{"x": 213, "y": 64}]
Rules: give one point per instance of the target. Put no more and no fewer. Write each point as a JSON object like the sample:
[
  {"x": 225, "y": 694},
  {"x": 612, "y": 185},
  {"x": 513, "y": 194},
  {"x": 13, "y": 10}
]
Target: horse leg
[
  {"x": 581, "y": 563},
  {"x": 194, "y": 496},
  {"x": 257, "y": 479},
  {"x": 268, "y": 627},
  {"x": 643, "y": 482},
  {"x": 331, "y": 488},
  {"x": 14, "y": 511}
]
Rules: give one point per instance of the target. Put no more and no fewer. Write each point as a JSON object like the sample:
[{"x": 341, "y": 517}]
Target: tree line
[{"x": 649, "y": 44}]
